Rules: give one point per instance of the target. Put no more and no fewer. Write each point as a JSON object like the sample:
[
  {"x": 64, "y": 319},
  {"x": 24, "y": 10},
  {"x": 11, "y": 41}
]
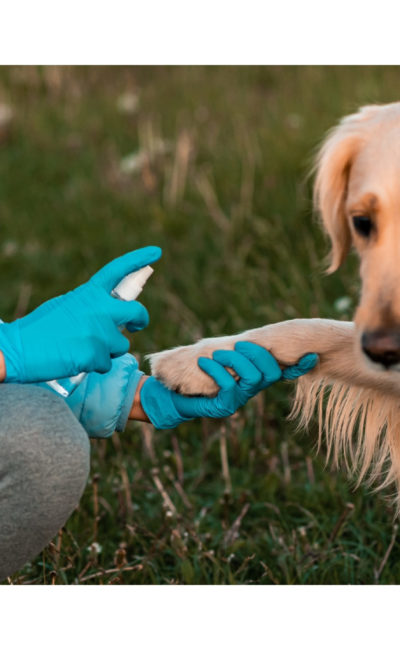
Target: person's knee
[
  {"x": 44, "y": 444},
  {"x": 44, "y": 465}
]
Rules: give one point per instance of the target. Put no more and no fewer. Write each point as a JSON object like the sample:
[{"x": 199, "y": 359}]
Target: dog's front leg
[{"x": 334, "y": 342}]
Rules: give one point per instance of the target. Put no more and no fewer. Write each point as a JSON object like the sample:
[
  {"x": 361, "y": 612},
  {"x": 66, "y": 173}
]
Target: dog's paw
[{"x": 178, "y": 368}]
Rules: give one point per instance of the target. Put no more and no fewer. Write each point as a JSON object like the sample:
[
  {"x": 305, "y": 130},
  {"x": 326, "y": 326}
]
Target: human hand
[
  {"x": 103, "y": 402},
  {"x": 256, "y": 368},
  {"x": 79, "y": 331}
]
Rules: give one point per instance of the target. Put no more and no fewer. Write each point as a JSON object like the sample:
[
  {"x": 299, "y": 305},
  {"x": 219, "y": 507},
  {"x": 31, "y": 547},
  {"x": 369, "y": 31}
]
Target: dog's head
[{"x": 357, "y": 192}]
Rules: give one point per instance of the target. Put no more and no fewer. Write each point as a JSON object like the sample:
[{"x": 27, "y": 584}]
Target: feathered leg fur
[{"x": 361, "y": 416}]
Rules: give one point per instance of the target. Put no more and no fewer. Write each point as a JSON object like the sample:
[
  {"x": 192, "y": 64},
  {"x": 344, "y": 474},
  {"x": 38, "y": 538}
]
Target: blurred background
[{"x": 212, "y": 164}]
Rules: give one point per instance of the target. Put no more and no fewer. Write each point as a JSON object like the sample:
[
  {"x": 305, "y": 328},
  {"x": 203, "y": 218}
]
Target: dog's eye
[{"x": 363, "y": 225}]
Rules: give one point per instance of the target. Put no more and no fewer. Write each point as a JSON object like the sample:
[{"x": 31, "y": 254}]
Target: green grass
[{"x": 226, "y": 197}]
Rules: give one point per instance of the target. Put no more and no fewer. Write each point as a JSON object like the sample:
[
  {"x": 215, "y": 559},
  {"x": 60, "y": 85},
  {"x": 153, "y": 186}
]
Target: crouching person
[{"x": 44, "y": 446}]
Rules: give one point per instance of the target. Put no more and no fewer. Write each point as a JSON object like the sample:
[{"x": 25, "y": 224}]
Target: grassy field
[{"x": 210, "y": 164}]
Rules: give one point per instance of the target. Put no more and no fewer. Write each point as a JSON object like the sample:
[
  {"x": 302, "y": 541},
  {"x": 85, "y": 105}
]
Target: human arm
[
  {"x": 2, "y": 367},
  {"x": 104, "y": 403},
  {"x": 137, "y": 412}
]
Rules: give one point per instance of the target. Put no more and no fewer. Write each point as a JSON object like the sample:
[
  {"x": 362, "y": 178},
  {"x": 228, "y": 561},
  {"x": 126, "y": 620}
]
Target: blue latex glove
[
  {"x": 256, "y": 367},
  {"x": 79, "y": 331},
  {"x": 102, "y": 403}
]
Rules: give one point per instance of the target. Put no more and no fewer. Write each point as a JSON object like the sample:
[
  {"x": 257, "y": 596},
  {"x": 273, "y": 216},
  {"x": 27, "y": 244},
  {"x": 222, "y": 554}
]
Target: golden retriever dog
[{"x": 356, "y": 385}]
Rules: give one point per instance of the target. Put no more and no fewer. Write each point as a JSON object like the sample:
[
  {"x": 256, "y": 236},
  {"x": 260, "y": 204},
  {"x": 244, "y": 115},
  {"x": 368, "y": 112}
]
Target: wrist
[
  {"x": 2, "y": 367},
  {"x": 137, "y": 412}
]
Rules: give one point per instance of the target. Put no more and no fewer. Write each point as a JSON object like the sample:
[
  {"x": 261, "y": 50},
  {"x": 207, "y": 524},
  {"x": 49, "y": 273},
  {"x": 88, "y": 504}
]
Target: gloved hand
[
  {"x": 102, "y": 403},
  {"x": 76, "y": 332},
  {"x": 256, "y": 368}
]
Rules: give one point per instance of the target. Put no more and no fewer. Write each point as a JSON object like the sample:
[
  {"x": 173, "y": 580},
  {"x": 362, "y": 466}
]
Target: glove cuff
[{"x": 158, "y": 405}]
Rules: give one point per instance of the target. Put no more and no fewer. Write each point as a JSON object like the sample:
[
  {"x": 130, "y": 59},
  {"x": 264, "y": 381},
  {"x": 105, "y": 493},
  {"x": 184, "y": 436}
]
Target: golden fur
[{"x": 357, "y": 172}]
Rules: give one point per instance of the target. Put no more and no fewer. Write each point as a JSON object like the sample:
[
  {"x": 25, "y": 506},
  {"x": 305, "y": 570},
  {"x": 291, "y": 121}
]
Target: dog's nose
[{"x": 382, "y": 346}]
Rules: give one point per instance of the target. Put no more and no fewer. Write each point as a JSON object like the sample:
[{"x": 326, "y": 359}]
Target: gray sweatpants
[{"x": 44, "y": 465}]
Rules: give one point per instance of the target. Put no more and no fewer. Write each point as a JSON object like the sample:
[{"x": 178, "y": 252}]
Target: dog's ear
[
  {"x": 333, "y": 164},
  {"x": 330, "y": 188}
]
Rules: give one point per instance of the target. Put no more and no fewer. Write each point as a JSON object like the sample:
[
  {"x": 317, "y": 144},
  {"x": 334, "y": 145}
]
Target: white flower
[
  {"x": 95, "y": 548},
  {"x": 128, "y": 103},
  {"x": 133, "y": 162},
  {"x": 342, "y": 304}
]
